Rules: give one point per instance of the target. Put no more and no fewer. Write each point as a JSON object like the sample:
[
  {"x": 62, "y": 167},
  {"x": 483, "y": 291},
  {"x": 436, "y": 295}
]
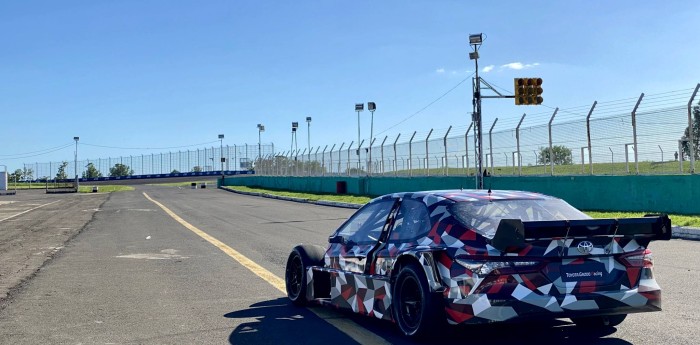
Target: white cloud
[
  {"x": 488, "y": 68},
  {"x": 519, "y": 65},
  {"x": 440, "y": 70}
]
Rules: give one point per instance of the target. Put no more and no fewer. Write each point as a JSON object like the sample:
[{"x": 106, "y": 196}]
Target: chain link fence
[
  {"x": 597, "y": 139},
  {"x": 237, "y": 157},
  {"x": 639, "y": 135}
]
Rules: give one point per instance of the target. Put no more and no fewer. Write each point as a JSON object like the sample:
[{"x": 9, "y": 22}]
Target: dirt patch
[{"x": 31, "y": 235}]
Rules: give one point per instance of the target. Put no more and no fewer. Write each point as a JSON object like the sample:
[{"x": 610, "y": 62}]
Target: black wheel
[
  {"x": 416, "y": 309},
  {"x": 599, "y": 321},
  {"x": 301, "y": 257}
]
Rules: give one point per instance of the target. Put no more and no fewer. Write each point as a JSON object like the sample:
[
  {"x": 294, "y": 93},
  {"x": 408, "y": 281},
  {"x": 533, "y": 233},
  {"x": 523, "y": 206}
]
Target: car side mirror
[{"x": 336, "y": 239}]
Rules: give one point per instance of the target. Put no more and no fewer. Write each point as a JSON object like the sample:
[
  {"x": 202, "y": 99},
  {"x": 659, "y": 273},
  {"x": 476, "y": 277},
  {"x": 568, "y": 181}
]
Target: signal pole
[{"x": 475, "y": 41}]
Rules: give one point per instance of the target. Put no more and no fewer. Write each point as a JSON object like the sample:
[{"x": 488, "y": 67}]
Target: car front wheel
[{"x": 301, "y": 257}]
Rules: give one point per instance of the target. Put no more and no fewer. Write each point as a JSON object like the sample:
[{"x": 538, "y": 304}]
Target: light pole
[
  {"x": 371, "y": 106},
  {"x": 221, "y": 153},
  {"x": 475, "y": 41},
  {"x": 77, "y": 181},
  {"x": 359, "y": 107},
  {"x": 308, "y": 134}
]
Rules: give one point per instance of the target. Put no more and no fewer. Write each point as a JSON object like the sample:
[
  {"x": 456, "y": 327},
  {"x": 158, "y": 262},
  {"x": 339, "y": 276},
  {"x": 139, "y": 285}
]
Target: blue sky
[{"x": 164, "y": 74}]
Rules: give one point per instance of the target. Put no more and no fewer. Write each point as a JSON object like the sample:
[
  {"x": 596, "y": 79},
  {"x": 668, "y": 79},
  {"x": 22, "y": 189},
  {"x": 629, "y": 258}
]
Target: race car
[{"x": 420, "y": 259}]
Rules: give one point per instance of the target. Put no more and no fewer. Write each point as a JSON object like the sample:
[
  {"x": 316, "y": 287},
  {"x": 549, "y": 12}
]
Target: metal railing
[{"x": 639, "y": 135}]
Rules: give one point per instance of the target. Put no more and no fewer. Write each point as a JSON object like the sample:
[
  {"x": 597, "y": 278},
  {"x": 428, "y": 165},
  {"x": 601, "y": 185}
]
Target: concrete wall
[{"x": 662, "y": 193}]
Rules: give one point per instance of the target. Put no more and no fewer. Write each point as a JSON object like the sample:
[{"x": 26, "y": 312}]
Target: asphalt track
[{"x": 173, "y": 269}]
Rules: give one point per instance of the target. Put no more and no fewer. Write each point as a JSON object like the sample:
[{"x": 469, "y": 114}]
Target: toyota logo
[{"x": 585, "y": 247}]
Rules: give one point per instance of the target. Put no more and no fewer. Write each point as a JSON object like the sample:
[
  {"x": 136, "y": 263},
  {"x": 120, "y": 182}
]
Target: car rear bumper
[{"x": 475, "y": 309}]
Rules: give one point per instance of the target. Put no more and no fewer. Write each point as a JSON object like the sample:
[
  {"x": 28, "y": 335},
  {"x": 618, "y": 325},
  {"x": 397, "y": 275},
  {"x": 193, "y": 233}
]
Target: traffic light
[{"x": 528, "y": 91}]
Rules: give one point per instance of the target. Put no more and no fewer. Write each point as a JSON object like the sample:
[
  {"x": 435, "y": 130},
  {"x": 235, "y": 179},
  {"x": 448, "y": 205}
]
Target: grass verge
[
  {"x": 105, "y": 188},
  {"x": 676, "y": 219},
  {"x": 329, "y": 197}
]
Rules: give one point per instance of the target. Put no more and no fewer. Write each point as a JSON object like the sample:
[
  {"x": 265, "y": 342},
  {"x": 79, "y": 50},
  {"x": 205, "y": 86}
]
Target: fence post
[
  {"x": 323, "y": 161},
  {"x": 396, "y": 163},
  {"x": 491, "y": 144},
  {"x": 359, "y": 159},
  {"x": 612, "y": 159},
  {"x": 316, "y": 157},
  {"x": 466, "y": 148},
  {"x": 330, "y": 155},
  {"x": 680, "y": 157},
  {"x": 369, "y": 165},
  {"x": 691, "y": 139},
  {"x": 588, "y": 135},
  {"x": 381, "y": 166},
  {"x": 551, "y": 150},
  {"x": 347, "y": 164},
  {"x": 634, "y": 133},
  {"x": 444, "y": 143},
  {"x": 410, "y": 155},
  {"x": 427, "y": 160},
  {"x": 339, "y": 158},
  {"x": 517, "y": 145}
]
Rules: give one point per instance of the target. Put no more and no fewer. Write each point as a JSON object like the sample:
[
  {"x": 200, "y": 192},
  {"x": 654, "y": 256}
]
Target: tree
[
  {"x": 685, "y": 145},
  {"x": 27, "y": 174},
  {"x": 91, "y": 172},
  {"x": 197, "y": 169},
  {"x": 175, "y": 171},
  {"x": 17, "y": 175},
  {"x": 61, "y": 175},
  {"x": 120, "y": 170},
  {"x": 562, "y": 155}
]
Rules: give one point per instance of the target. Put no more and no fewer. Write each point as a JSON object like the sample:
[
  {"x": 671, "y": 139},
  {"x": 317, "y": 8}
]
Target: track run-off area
[{"x": 163, "y": 265}]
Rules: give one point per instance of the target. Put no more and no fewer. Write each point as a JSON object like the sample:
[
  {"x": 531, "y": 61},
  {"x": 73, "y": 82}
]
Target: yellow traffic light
[{"x": 528, "y": 91}]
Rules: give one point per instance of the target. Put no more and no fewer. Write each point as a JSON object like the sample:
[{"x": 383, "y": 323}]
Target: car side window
[
  {"x": 366, "y": 225},
  {"x": 412, "y": 221}
]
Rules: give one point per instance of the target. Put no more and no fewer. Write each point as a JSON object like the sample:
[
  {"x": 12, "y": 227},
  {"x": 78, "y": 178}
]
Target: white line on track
[{"x": 29, "y": 210}]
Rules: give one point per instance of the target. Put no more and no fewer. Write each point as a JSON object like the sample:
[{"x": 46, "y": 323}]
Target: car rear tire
[
  {"x": 416, "y": 310},
  {"x": 301, "y": 258},
  {"x": 599, "y": 321}
]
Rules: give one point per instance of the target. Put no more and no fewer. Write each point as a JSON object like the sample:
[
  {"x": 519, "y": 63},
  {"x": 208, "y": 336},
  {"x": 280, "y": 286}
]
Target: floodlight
[{"x": 475, "y": 38}]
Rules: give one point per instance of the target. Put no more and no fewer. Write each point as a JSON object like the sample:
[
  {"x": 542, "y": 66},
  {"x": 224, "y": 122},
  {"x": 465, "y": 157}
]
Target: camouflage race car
[{"x": 475, "y": 256}]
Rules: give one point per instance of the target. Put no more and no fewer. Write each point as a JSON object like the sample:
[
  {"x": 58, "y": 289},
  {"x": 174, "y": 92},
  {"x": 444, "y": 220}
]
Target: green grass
[
  {"x": 105, "y": 188},
  {"x": 182, "y": 184},
  {"x": 676, "y": 219},
  {"x": 329, "y": 197},
  {"x": 25, "y": 185}
]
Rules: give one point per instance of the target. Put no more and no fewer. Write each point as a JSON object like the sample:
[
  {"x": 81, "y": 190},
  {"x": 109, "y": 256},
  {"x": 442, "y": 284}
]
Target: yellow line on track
[
  {"x": 260, "y": 271},
  {"x": 346, "y": 326}
]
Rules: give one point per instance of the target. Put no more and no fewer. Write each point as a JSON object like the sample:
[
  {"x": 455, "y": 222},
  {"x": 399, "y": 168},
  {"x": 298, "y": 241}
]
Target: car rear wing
[{"x": 514, "y": 233}]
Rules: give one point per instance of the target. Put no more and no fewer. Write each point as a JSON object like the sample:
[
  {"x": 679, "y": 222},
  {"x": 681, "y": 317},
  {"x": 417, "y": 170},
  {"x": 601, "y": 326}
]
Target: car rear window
[{"x": 484, "y": 216}]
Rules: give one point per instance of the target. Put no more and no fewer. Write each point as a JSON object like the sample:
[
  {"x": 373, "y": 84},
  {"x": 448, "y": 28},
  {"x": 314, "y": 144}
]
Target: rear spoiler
[{"x": 514, "y": 233}]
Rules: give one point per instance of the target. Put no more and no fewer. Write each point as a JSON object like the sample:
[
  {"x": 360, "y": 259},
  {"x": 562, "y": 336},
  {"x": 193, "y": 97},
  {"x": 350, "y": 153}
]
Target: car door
[
  {"x": 358, "y": 236},
  {"x": 412, "y": 224}
]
